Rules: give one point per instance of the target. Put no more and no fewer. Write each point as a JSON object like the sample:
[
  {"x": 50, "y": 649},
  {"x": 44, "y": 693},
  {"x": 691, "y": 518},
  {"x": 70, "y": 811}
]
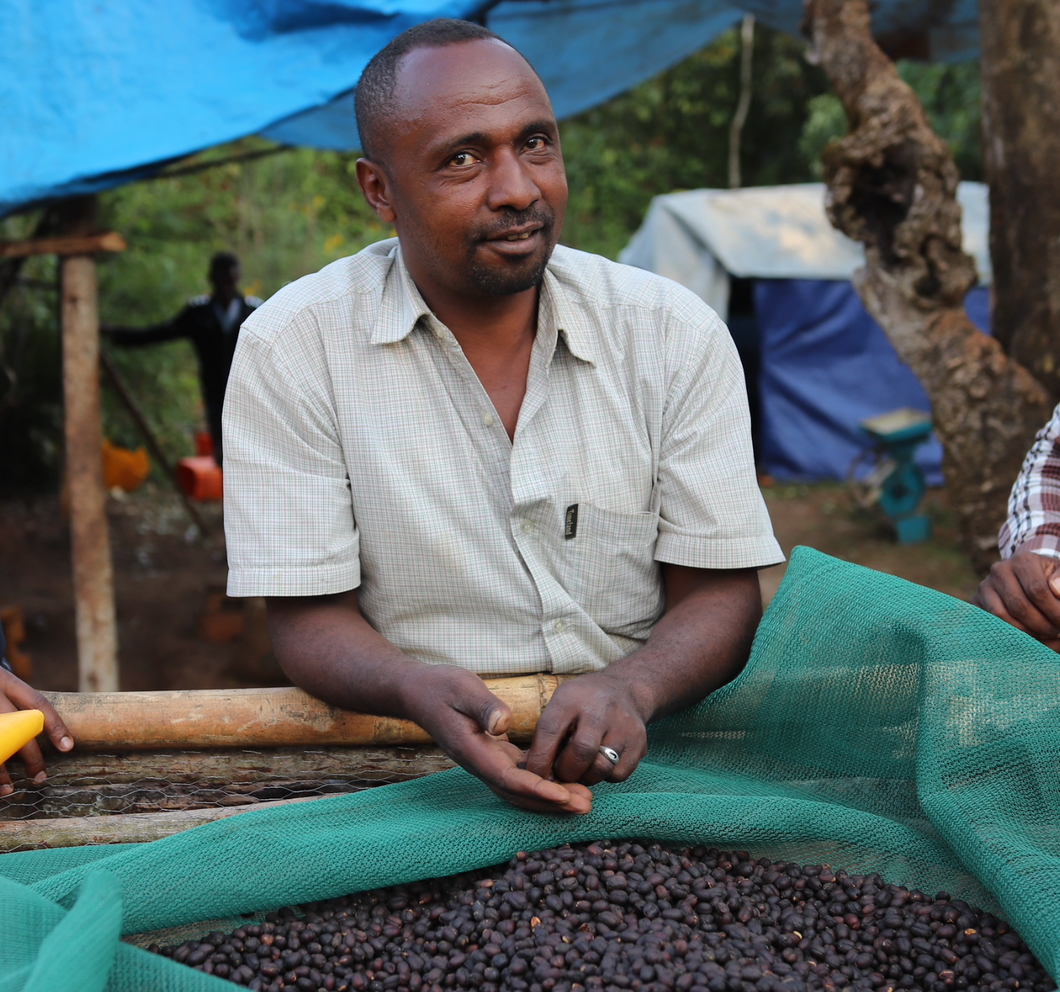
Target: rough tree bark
[
  {"x": 1020, "y": 50},
  {"x": 892, "y": 186}
]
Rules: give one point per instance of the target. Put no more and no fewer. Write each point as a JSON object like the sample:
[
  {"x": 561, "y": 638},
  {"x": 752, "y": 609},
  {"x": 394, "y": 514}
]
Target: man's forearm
[
  {"x": 700, "y": 643},
  {"x": 326, "y": 647}
]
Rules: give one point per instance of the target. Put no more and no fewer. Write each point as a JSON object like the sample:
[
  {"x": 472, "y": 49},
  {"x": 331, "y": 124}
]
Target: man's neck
[{"x": 496, "y": 335}]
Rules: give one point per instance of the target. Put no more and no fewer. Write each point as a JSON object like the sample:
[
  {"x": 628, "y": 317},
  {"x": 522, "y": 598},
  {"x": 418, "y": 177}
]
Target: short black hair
[
  {"x": 222, "y": 262},
  {"x": 375, "y": 89}
]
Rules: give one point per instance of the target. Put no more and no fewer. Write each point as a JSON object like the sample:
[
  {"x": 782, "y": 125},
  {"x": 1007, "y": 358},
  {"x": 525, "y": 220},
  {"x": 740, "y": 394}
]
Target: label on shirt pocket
[{"x": 610, "y": 569}]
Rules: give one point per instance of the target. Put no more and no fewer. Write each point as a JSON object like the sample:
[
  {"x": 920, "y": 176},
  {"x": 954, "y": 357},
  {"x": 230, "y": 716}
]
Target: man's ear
[{"x": 376, "y": 189}]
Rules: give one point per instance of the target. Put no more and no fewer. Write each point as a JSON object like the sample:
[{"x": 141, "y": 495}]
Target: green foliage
[
  {"x": 672, "y": 132},
  {"x": 950, "y": 95}
]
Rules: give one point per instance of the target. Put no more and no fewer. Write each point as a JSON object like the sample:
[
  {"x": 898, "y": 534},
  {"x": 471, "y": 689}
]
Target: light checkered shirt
[
  {"x": 1034, "y": 506},
  {"x": 361, "y": 449}
]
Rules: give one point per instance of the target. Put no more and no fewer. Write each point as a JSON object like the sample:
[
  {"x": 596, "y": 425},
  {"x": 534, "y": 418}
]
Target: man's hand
[
  {"x": 469, "y": 723},
  {"x": 587, "y": 712},
  {"x": 326, "y": 647},
  {"x": 16, "y": 695},
  {"x": 1024, "y": 590},
  {"x": 700, "y": 643}
]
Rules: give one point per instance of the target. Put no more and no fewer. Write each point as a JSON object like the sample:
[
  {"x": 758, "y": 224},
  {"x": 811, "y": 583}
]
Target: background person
[
  {"x": 1023, "y": 589},
  {"x": 212, "y": 325},
  {"x": 470, "y": 452}
]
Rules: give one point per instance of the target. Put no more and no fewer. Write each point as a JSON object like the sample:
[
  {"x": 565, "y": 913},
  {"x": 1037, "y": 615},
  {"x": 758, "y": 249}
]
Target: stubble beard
[{"x": 518, "y": 274}]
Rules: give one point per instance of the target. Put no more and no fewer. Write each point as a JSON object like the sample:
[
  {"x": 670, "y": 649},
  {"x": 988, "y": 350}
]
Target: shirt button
[
  {"x": 487, "y": 419},
  {"x": 528, "y": 526},
  {"x": 559, "y": 626}
]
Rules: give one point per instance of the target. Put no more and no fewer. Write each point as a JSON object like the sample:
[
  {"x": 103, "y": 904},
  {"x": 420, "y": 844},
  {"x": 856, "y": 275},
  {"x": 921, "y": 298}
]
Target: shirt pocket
[{"x": 612, "y": 572}]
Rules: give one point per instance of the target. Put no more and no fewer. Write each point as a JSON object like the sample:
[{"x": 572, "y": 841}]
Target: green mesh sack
[{"x": 878, "y": 726}]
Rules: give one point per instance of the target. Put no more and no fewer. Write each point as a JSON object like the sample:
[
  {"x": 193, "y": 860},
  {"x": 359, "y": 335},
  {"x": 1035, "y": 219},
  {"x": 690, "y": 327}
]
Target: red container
[{"x": 199, "y": 478}]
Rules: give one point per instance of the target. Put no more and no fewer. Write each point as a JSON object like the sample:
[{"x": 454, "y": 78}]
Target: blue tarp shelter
[
  {"x": 93, "y": 95},
  {"x": 821, "y": 364}
]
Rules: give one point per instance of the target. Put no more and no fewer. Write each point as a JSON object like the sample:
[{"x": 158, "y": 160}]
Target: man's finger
[
  {"x": 488, "y": 711},
  {"x": 6, "y": 788},
  {"x": 1034, "y": 572},
  {"x": 34, "y": 762},
  {"x": 986, "y": 598},
  {"x": 549, "y": 734},
  {"x": 519, "y": 783},
  {"x": 498, "y": 765},
  {"x": 580, "y": 753}
]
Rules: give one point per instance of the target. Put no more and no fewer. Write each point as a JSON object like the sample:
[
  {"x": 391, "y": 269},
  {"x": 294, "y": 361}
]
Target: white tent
[{"x": 701, "y": 237}]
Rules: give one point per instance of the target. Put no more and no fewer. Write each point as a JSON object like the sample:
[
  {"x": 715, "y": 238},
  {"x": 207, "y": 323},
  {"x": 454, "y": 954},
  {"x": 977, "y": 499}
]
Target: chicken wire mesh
[{"x": 85, "y": 790}]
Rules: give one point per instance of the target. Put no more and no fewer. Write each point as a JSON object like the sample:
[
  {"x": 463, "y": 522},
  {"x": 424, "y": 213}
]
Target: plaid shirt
[
  {"x": 361, "y": 450},
  {"x": 1034, "y": 506}
]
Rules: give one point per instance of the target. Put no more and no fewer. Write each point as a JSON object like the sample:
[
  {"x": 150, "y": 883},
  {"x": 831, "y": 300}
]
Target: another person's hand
[
  {"x": 1024, "y": 590},
  {"x": 17, "y": 695},
  {"x": 592, "y": 711},
  {"x": 470, "y": 724}
]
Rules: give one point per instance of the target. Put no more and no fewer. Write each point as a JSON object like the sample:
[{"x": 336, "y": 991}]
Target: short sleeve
[
  {"x": 289, "y": 523},
  {"x": 1033, "y": 522},
  {"x": 711, "y": 511}
]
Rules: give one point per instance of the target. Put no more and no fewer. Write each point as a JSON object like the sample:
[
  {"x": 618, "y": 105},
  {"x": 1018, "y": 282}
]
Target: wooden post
[{"x": 97, "y": 642}]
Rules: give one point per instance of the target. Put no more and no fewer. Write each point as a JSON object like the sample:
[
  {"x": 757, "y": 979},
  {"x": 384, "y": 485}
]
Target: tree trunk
[
  {"x": 892, "y": 186},
  {"x": 1020, "y": 49}
]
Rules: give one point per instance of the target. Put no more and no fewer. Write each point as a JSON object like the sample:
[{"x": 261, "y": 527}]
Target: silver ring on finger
[{"x": 610, "y": 753}]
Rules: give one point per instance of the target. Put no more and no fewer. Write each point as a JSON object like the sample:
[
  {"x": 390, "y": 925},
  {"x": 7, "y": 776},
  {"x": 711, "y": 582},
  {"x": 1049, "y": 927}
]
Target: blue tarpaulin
[
  {"x": 96, "y": 94},
  {"x": 825, "y": 366}
]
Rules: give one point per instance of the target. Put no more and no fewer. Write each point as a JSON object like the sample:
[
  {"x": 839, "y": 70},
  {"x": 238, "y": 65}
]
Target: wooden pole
[
  {"x": 97, "y": 642},
  {"x": 129, "y": 828},
  {"x": 132, "y": 721},
  {"x": 76, "y": 244}
]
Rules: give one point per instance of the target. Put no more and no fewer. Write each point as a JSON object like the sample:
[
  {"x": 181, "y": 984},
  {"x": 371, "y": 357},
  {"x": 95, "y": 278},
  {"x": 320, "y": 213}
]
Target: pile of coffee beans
[{"x": 628, "y": 917}]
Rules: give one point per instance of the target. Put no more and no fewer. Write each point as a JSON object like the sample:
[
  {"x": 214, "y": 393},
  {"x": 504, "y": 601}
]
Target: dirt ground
[{"x": 167, "y": 577}]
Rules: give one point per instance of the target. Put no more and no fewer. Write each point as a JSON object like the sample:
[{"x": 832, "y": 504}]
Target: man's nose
[{"x": 512, "y": 184}]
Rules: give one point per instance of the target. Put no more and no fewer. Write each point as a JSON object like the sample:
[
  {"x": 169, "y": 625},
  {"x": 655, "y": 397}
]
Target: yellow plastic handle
[{"x": 17, "y": 730}]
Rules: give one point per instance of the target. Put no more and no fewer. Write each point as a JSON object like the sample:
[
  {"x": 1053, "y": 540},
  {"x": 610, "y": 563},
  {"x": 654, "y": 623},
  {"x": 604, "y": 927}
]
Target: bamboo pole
[
  {"x": 97, "y": 640},
  {"x": 260, "y": 717}
]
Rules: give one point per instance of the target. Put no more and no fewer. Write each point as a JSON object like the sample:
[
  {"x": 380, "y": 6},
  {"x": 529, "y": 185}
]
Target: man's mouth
[{"x": 514, "y": 233}]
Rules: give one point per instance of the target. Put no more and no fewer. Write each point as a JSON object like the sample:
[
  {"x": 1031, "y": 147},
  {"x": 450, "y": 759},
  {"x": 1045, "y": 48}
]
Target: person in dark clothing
[{"x": 212, "y": 325}]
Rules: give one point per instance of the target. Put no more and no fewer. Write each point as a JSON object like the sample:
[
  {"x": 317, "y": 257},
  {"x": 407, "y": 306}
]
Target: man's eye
[
  {"x": 461, "y": 158},
  {"x": 536, "y": 143}
]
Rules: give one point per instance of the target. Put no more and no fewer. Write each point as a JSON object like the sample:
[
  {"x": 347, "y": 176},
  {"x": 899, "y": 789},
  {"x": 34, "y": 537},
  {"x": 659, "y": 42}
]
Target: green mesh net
[{"x": 878, "y": 726}]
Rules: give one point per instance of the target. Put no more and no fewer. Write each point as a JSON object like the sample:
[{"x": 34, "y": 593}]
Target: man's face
[{"x": 473, "y": 180}]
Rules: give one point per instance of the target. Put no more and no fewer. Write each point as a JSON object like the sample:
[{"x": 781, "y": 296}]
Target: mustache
[{"x": 516, "y": 218}]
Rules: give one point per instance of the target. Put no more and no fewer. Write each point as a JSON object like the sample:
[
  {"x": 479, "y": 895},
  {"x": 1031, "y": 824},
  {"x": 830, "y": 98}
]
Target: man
[
  {"x": 212, "y": 325},
  {"x": 469, "y": 452},
  {"x": 1023, "y": 589}
]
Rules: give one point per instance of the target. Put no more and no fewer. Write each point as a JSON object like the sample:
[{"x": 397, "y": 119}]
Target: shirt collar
[{"x": 402, "y": 308}]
